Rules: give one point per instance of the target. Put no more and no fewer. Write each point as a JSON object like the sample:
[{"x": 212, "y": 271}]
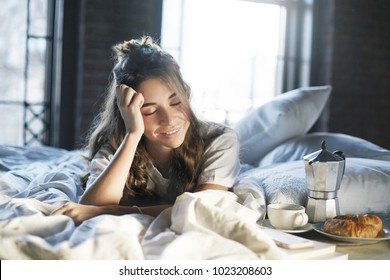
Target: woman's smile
[{"x": 172, "y": 132}]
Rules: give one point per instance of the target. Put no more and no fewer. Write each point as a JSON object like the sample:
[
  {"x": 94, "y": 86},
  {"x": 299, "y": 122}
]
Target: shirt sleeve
[
  {"x": 222, "y": 164},
  {"x": 99, "y": 163}
]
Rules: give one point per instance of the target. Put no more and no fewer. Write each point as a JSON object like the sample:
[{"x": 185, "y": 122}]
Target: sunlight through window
[{"x": 229, "y": 51}]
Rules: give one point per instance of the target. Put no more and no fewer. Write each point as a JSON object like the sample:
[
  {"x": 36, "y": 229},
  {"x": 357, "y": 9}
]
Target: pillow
[
  {"x": 288, "y": 115},
  {"x": 364, "y": 188},
  {"x": 282, "y": 183},
  {"x": 296, "y": 148}
]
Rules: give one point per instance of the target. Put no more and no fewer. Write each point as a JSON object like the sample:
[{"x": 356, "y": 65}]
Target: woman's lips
[{"x": 170, "y": 132}]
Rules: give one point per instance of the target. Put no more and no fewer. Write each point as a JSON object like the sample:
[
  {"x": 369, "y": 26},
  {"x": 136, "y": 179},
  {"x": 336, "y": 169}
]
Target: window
[
  {"x": 236, "y": 55},
  {"x": 26, "y": 48}
]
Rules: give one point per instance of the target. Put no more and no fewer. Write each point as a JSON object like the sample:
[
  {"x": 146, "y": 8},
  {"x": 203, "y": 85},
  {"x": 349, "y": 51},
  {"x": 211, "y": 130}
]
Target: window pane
[
  {"x": 36, "y": 70},
  {"x": 11, "y": 118},
  {"x": 23, "y": 82},
  {"x": 12, "y": 33},
  {"x": 229, "y": 52},
  {"x": 171, "y": 24},
  {"x": 38, "y": 17}
]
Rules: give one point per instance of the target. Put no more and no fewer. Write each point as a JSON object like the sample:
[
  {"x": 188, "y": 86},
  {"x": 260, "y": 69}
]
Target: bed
[{"x": 206, "y": 225}]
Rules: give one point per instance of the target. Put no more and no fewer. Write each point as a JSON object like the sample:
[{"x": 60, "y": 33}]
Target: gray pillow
[
  {"x": 296, "y": 148},
  {"x": 288, "y": 115}
]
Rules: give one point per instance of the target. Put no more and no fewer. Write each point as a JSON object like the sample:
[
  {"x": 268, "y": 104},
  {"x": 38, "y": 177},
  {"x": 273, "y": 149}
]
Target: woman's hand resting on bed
[{"x": 79, "y": 212}]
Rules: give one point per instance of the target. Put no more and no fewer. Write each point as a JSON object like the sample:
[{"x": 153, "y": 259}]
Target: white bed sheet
[{"x": 205, "y": 225}]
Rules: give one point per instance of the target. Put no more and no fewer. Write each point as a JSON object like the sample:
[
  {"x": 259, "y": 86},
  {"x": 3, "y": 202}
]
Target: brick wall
[
  {"x": 360, "y": 72},
  {"x": 102, "y": 25}
]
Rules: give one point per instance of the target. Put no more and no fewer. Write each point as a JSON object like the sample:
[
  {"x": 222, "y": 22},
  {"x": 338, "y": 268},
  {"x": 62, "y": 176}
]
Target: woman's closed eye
[
  {"x": 177, "y": 103},
  {"x": 149, "y": 111}
]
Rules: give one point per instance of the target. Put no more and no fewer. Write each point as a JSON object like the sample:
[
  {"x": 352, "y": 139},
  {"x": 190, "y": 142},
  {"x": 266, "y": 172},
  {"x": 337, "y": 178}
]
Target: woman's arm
[
  {"x": 80, "y": 212},
  {"x": 107, "y": 189}
]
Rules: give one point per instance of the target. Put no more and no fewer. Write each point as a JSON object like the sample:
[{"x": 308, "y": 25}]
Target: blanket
[
  {"x": 206, "y": 225},
  {"x": 211, "y": 224}
]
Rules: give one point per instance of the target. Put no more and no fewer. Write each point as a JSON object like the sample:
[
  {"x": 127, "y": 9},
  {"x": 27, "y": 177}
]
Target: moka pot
[{"x": 324, "y": 172}]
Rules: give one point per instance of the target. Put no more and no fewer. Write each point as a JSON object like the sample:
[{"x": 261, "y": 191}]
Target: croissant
[{"x": 364, "y": 226}]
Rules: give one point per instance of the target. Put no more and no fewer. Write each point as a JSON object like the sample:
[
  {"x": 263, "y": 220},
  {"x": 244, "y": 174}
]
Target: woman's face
[{"x": 165, "y": 116}]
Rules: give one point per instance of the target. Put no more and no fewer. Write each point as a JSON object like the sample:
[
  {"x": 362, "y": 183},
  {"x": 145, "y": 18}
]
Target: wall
[{"x": 354, "y": 36}]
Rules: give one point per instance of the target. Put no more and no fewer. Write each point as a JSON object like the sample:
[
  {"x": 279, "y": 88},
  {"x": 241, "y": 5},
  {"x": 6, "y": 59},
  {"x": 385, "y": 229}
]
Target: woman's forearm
[
  {"x": 80, "y": 212},
  {"x": 122, "y": 210},
  {"x": 108, "y": 187}
]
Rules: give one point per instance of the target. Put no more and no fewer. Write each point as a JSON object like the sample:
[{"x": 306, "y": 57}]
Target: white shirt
[{"x": 221, "y": 168}]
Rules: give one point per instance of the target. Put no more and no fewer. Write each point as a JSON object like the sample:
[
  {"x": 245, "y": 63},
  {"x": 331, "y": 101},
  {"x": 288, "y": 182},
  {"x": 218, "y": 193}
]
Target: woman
[{"x": 147, "y": 146}]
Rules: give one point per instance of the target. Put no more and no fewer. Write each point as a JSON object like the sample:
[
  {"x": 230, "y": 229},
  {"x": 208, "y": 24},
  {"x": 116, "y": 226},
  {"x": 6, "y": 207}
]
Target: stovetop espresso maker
[{"x": 324, "y": 171}]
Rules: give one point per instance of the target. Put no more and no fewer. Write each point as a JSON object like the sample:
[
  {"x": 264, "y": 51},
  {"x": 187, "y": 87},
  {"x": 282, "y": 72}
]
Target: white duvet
[{"x": 205, "y": 225}]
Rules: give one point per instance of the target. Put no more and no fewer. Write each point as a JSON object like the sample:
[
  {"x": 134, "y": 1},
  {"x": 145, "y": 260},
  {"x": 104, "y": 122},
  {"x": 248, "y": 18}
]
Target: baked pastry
[{"x": 364, "y": 226}]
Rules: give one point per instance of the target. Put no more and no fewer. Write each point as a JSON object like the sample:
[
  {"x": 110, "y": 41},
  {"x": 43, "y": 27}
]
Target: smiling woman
[{"x": 147, "y": 146}]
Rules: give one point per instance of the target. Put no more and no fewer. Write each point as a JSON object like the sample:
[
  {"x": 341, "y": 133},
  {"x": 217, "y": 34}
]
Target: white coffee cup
[{"x": 287, "y": 216}]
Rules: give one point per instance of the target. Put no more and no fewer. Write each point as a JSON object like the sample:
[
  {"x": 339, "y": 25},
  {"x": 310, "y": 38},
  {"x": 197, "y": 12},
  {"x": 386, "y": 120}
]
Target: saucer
[{"x": 266, "y": 223}]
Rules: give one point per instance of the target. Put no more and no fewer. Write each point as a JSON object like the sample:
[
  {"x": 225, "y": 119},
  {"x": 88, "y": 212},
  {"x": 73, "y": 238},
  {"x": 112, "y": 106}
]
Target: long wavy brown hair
[{"x": 134, "y": 62}]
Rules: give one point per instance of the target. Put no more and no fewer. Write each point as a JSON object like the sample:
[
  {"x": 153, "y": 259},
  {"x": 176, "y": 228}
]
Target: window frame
[{"x": 39, "y": 111}]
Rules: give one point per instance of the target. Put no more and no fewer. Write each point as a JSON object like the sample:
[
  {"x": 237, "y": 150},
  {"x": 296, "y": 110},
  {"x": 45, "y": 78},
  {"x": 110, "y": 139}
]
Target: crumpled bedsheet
[
  {"x": 199, "y": 226},
  {"x": 205, "y": 225}
]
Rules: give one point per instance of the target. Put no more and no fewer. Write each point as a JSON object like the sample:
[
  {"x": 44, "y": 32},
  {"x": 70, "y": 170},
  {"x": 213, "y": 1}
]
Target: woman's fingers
[
  {"x": 60, "y": 210},
  {"x": 138, "y": 100},
  {"x": 124, "y": 95},
  {"x": 78, "y": 212},
  {"x": 129, "y": 103}
]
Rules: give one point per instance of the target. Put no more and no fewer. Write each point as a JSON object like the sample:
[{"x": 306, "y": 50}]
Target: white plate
[
  {"x": 305, "y": 228},
  {"x": 318, "y": 227}
]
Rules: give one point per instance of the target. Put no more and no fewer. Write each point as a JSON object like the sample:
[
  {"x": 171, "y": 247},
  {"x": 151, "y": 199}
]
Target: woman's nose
[{"x": 167, "y": 117}]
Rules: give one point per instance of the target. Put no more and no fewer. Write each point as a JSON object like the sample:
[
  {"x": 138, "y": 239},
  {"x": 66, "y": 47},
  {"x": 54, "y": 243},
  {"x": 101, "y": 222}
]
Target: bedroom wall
[{"x": 352, "y": 54}]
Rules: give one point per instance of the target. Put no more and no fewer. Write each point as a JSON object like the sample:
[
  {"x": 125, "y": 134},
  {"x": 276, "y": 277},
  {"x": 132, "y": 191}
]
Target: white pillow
[
  {"x": 296, "y": 148},
  {"x": 288, "y": 115},
  {"x": 281, "y": 183},
  {"x": 364, "y": 188}
]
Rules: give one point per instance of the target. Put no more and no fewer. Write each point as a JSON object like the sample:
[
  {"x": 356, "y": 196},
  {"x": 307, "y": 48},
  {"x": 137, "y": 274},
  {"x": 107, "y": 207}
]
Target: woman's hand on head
[
  {"x": 130, "y": 103},
  {"x": 78, "y": 212}
]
